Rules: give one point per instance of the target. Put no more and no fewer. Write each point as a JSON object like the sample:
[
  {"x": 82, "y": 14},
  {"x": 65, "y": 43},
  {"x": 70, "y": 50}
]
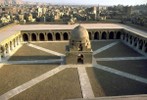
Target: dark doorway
[
  {"x": 80, "y": 59},
  {"x": 25, "y": 37},
  {"x": 118, "y": 35},
  {"x": 104, "y": 35},
  {"x": 34, "y": 38},
  {"x": 41, "y": 36},
  {"x": 65, "y": 36},
  {"x": 135, "y": 42},
  {"x": 111, "y": 35},
  {"x": 58, "y": 36},
  {"x": 96, "y": 35},
  {"x": 50, "y": 37},
  {"x": 130, "y": 39},
  {"x": 80, "y": 47},
  {"x": 146, "y": 48},
  {"x": 6, "y": 46},
  {"x": 140, "y": 44}
]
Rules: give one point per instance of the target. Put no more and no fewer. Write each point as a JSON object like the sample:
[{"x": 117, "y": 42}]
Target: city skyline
[{"x": 94, "y": 2}]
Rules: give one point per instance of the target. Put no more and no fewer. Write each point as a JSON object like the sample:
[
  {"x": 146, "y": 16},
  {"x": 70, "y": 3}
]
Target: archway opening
[
  {"x": 80, "y": 47},
  {"x": 65, "y": 36},
  {"x": 80, "y": 59},
  {"x": 58, "y": 37},
  {"x": 41, "y": 36},
  {"x": 89, "y": 35},
  {"x": 25, "y": 37},
  {"x": 34, "y": 38},
  {"x": 50, "y": 37},
  {"x": 111, "y": 35},
  {"x": 127, "y": 37},
  {"x": 96, "y": 36},
  {"x": 130, "y": 39},
  {"x": 2, "y": 51},
  {"x": 11, "y": 45},
  {"x": 123, "y": 36},
  {"x": 118, "y": 35},
  {"x": 104, "y": 35},
  {"x": 135, "y": 42},
  {"x": 140, "y": 44},
  {"x": 146, "y": 48},
  {"x": 17, "y": 40},
  {"x": 14, "y": 42},
  {"x": 6, "y": 48}
]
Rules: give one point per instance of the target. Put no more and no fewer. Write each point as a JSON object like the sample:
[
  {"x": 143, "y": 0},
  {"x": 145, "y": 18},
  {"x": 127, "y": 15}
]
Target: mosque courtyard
[{"x": 36, "y": 71}]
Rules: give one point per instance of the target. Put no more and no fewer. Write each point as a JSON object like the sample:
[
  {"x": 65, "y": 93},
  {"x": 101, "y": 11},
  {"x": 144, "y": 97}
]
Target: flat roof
[{"x": 13, "y": 29}]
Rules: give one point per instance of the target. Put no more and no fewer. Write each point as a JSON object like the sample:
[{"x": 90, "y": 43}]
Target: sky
[{"x": 94, "y": 2}]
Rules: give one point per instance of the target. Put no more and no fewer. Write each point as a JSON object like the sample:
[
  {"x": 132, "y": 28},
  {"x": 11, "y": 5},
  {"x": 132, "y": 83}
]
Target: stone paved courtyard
[{"x": 116, "y": 70}]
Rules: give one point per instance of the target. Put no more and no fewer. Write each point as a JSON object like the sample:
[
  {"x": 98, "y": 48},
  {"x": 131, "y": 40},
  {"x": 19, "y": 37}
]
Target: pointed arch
[
  {"x": 11, "y": 44},
  {"x": 41, "y": 37},
  {"x": 25, "y": 37},
  {"x": 65, "y": 36},
  {"x": 104, "y": 35},
  {"x": 140, "y": 44},
  {"x": 50, "y": 37},
  {"x": 145, "y": 48},
  {"x": 96, "y": 36},
  {"x": 58, "y": 37},
  {"x": 118, "y": 35},
  {"x": 135, "y": 41},
  {"x": 111, "y": 35},
  {"x": 7, "y": 48},
  {"x": 34, "y": 37}
]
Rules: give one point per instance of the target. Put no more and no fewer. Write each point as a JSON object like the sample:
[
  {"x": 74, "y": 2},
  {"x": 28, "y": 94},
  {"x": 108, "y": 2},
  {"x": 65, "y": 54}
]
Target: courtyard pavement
[{"x": 85, "y": 84}]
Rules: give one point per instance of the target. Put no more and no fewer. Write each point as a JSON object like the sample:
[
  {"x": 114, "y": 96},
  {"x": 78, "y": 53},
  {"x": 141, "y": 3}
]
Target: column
[
  {"x": 137, "y": 45},
  {"x": 37, "y": 36},
  {"x": 53, "y": 34},
  {"x": 30, "y": 37},
  {"x": 121, "y": 37},
  {"x": 9, "y": 50},
  {"x": 143, "y": 48},
  {"x": 15, "y": 42},
  {"x": 100, "y": 36},
  {"x": 114, "y": 35},
  {"x": 61, "y": 36},
  {"x": 45, "y": 37},
  {"x": 92, "y": 36},
  {"x": 132, "y": 41},
  {"x": 5, "y": 54}
]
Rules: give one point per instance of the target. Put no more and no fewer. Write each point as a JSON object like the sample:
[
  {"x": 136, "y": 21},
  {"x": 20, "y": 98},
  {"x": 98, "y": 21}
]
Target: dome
[{"x": 79, "y": 33}]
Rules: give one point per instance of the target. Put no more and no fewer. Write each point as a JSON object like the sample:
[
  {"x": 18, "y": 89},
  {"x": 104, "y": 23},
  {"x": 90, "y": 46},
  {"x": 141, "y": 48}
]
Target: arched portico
[
  {"x": 118, "y": 34},
  {"x": 96, "y": 36},
  {"x": 34, "y": 37},
  {"x": 140, "y": 44},
  {"x": 135, "y": 41},
  {"x": 111, "y": 35},
  {"x": 50, "y": 37},
  {"x": 25, "y": 37},
  {"x": 65, "y": 36},
  {"x": 131, "y": 40},
  {"x": 58, "y": 37},
  {"x": 104, "y": 35},
  {"x": 7, "y": 48},
  {"x": 145, "y": 49},
  {"x": 41, "y": 37}
]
